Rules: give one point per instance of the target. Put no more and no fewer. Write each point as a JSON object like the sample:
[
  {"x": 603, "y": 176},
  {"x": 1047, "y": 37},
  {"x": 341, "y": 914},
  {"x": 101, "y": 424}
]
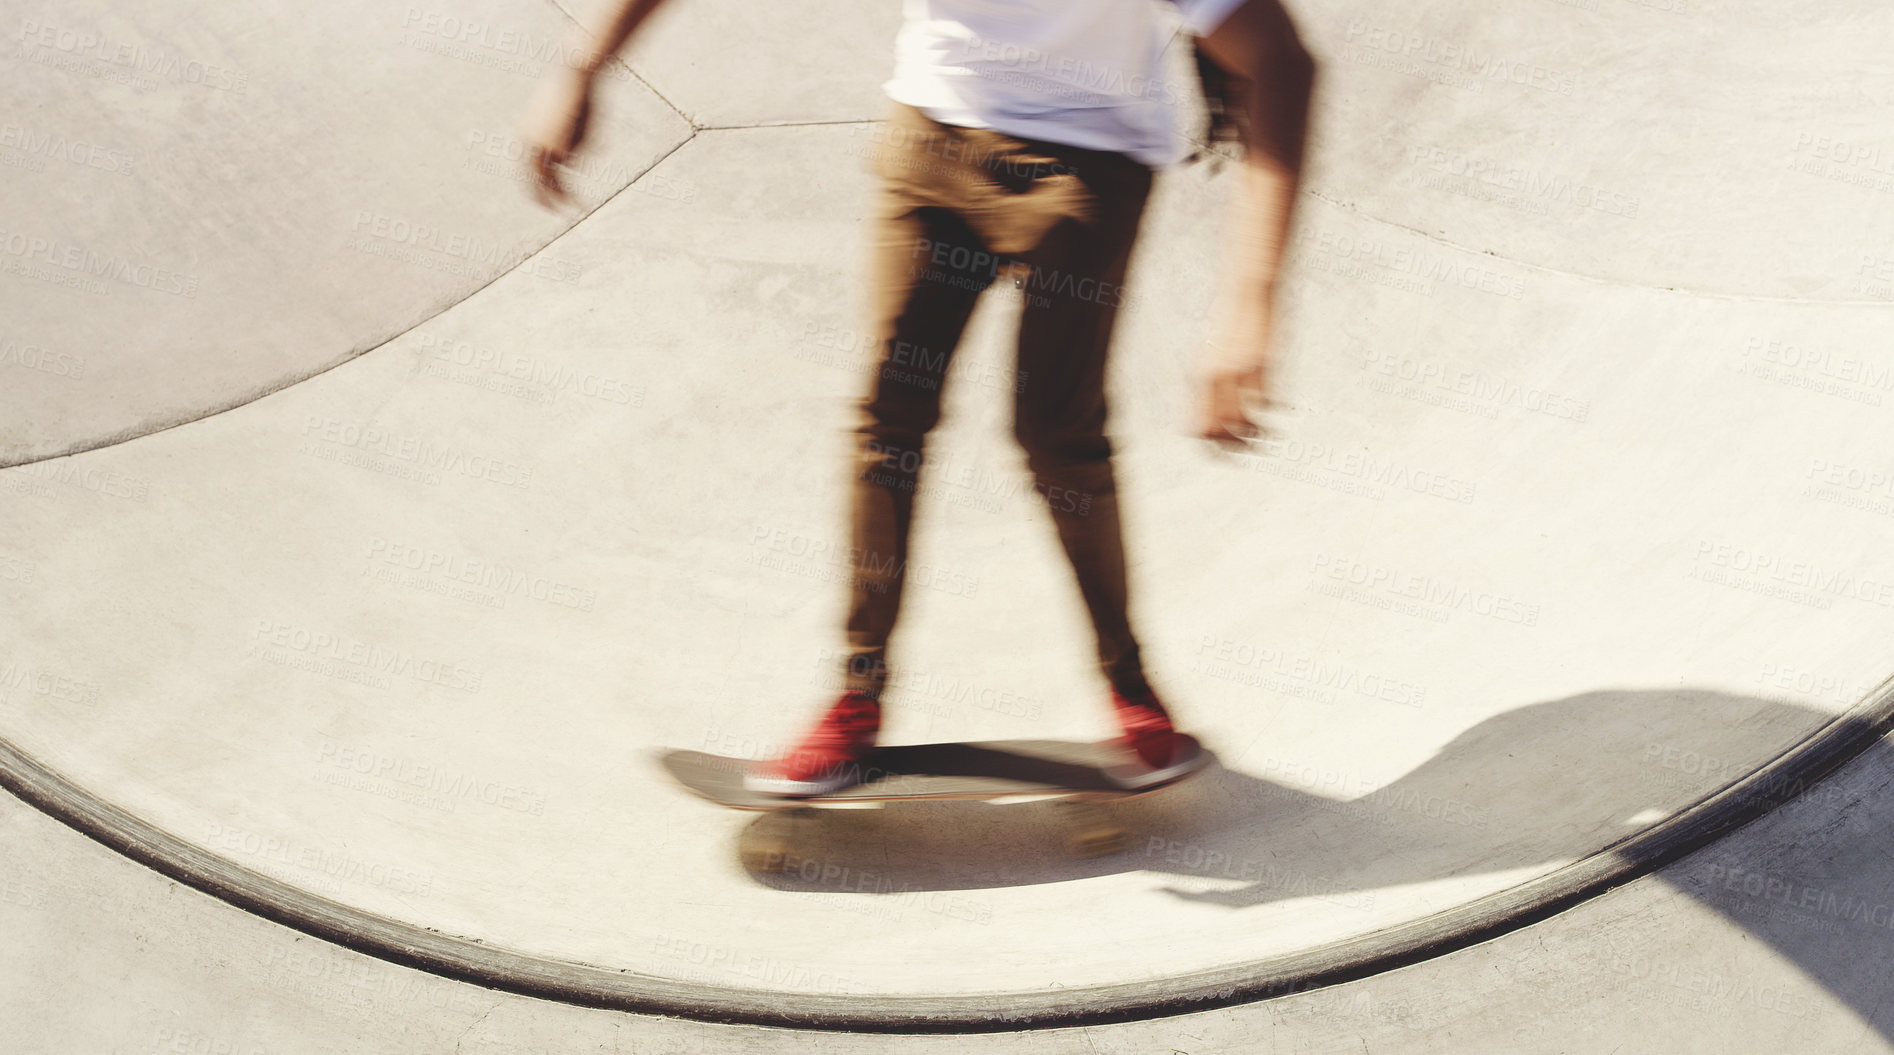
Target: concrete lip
[{"x": 591, "y": 986}]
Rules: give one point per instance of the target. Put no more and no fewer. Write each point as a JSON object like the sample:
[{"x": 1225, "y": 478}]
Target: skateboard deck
[
  {"x": 1078, "y": 773},
  {"x": 985, "y": 770}
]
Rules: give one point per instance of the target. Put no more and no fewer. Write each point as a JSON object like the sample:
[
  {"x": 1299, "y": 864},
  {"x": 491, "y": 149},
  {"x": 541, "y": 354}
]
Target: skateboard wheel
[
  {"x": 766, "y": 855},
  {"x": 1097, "y": 842}
]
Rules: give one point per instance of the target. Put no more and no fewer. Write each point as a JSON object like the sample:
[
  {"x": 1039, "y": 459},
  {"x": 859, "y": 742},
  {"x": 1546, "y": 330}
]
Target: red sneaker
[
  {"x": 829, "y": 757},
  {"x": 1161, "y": 752}
]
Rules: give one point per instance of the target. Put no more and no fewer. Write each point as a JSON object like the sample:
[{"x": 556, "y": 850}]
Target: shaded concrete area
[{"x": 1575, "y": 514}]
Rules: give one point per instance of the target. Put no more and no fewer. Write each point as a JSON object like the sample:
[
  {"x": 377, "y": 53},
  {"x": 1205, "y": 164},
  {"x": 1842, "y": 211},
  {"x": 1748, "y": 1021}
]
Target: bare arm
[
  {"x": 557, "y": 131},
  {"x": 1272, "y": 78},
  {"x": 625, "y": 18}
]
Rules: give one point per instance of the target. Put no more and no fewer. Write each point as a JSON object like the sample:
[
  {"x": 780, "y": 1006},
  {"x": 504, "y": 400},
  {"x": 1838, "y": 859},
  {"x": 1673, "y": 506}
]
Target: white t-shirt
[{"x": 1088, "y": 73}]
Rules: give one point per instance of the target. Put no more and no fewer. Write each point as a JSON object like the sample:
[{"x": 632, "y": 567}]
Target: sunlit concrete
[{"x": 1574, "y": 514}]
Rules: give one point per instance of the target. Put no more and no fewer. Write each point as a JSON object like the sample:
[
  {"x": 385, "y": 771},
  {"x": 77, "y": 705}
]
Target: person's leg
[
  {"x": 919, "y": 311},
  {"x": 1072, "y": 215},
  {"x": 921, "y": 293},
  {"x": 1071, "y": 305}
]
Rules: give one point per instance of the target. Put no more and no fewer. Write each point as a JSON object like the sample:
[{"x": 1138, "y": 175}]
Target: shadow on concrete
[
  {"x": 1821, "y": 894},
  {"x": 1536, "y": 787}
]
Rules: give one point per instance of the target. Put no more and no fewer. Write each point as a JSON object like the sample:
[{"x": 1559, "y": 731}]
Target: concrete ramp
[{"x": 1566, "y": 556}]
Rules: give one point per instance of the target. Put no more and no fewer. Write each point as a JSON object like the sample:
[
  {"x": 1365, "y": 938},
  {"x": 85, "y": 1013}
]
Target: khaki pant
[{"x": 956, "y": 209}]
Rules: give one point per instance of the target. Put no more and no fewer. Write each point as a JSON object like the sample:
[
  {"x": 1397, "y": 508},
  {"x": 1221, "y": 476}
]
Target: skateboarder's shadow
[
  {"x": 1515, "y": 796},
  {"x": 1528, "y": 789}
]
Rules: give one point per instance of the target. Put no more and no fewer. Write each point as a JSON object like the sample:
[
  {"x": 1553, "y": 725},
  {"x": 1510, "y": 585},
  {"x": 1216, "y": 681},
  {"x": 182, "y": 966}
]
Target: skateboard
[{"x": 1076, "y": 774}]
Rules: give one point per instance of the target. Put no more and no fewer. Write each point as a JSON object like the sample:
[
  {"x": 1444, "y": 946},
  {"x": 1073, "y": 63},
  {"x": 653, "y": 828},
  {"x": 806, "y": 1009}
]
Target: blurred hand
[
  {"x": 1235, "y": 366},
  {"x": 1231, "y": 396},
  {"x": 553, "y": 135}
]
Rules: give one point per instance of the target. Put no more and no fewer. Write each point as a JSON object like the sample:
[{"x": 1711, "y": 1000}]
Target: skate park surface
[{"x": 368, "y": 527}]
